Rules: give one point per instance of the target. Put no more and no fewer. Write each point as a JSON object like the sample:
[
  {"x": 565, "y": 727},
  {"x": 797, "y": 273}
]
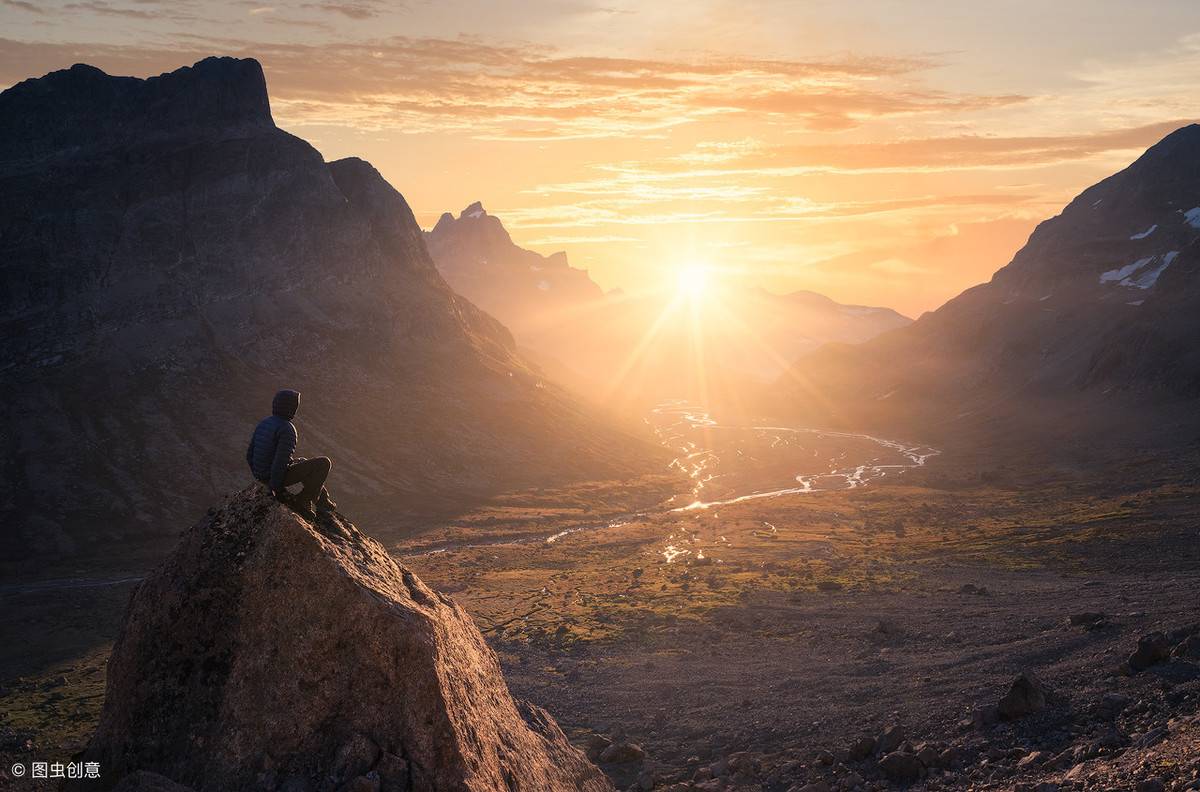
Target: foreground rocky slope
[
  {"x": 169, "y": 258},
  {"x": 1094, "y": 317},
  {"x": 269, "y": 652}
]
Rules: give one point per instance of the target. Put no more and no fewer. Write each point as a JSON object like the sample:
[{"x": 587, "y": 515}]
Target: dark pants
[{"x": 311, "y": 473}]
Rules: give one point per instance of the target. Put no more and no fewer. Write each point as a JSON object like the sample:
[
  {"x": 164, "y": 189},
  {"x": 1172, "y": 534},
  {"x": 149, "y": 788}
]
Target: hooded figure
[{"x": 270, "y": 456}]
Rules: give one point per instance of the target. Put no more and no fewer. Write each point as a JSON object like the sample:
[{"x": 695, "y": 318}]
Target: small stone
[
  {"x": 1111, "y": 705},
  {"x": 860, "y": 749},
  {"x": 1026, "y": 696},
  {"x": 900, "y": 767},
  {"x": 622, "y": 753},
  {"x": 1188, "y": 648},
  {"x": 1151, "y": 649},
  {"x": 1089, "y": 620},
  {"x": 890, "y": 740},
  {"x": 1149, "y": 785},
  {"x": 596, "y": 744}
]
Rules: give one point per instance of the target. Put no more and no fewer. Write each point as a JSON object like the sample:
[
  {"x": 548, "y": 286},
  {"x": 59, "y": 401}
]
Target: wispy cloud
[
  {"x": 32, "y": 8},
  {"x": 527, "y": 92}
]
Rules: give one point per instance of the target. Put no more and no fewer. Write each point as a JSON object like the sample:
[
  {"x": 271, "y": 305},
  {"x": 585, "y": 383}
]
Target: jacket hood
[{"x": 285, "y": 404}]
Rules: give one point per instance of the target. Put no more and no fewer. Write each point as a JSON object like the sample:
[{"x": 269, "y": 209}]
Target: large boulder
[{"x": 270, "y": 652}]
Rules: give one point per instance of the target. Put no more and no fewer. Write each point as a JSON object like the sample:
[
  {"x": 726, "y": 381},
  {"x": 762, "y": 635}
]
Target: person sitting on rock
[{"x": 270, "y": 458}]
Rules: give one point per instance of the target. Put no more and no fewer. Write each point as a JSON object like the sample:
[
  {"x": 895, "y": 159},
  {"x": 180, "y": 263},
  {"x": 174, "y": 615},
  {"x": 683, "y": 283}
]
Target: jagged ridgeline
[{"x": 169, "y": 257}]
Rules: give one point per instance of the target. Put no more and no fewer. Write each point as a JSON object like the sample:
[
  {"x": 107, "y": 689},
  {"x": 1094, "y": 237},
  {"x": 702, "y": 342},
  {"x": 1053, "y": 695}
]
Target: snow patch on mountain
[
  {"x": 1126, "y": 271},
  {"x": 1146, "y": 233},
  {"x": 1150, "y": 277},
  {"x": 1192, "y": 216}
]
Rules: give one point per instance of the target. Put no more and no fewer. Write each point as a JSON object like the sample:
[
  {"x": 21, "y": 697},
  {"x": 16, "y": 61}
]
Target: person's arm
[{"x": 285, "y": 444}]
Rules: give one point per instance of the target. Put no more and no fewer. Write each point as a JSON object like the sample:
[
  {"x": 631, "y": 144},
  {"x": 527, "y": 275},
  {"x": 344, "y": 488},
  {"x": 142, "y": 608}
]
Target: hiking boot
[
  {"x": 303, "y": 507},
  {"x": 324, "y": 502}
]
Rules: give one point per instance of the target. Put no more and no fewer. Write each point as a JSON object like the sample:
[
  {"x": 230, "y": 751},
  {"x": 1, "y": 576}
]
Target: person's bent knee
[{"x": 326, "y": 463}]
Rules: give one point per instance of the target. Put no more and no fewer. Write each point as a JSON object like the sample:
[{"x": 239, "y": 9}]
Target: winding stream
[{"x": 732, "y": 463}]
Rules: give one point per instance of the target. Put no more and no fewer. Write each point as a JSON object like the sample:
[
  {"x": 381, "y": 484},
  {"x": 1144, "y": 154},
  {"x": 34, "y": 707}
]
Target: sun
[{"x": 692, "y": 281}]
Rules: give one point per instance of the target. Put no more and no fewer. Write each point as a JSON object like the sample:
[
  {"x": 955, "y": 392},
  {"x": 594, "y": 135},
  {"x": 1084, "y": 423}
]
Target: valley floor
[{"x": 749, "y": 646}]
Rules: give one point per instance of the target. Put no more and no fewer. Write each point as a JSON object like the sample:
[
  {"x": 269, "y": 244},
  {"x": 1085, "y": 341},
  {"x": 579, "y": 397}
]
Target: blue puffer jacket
[{"x": 274, "y": 440}]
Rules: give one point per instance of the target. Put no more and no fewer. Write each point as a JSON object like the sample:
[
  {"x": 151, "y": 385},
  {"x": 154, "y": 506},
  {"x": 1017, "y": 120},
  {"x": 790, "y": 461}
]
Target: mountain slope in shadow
[
  {"x": 1089, "y": 332},
  {"x": 169, "y": 258}
]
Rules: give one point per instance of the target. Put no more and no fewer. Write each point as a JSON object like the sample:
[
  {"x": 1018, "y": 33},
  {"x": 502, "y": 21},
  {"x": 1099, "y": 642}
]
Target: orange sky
[{"x": 881, "y": 152}]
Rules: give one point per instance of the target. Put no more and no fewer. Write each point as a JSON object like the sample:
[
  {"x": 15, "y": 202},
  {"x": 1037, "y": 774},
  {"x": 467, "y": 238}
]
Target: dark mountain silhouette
[
  {"x": 268, "y": 652},
  {"x": 1098, "y": 314},
  {"x": 169, "y": 258},
  {"x": 585, "y": 338}
]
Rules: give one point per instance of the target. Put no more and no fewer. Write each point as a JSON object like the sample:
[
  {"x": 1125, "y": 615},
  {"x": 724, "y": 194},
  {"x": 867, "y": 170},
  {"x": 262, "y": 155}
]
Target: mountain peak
[
  {"x": 474, "y": 210},
  {"x": 83, "y": 108}
]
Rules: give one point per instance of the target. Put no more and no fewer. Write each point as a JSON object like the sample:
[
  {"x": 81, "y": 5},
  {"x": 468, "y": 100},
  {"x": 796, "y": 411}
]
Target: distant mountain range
[
  {"x": 1092, "y": 329},
  {"x": 629, "y": 347},
  {"x": 169, "y": 258}
]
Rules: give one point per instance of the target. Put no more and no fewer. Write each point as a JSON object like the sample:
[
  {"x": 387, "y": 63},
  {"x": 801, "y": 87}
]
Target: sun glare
[{"x": 692, "y": 281}]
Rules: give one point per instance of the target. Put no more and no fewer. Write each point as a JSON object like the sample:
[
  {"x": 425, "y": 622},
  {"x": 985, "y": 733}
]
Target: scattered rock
[
  {"x": 1034, "y": 759},
  {"x": 900, "y": 767},
  {"x": 971, "y": 588},
  {"x": 596, "y": 744},
  {"x": 1026, "y": 696},
  {"x": 622, "y": 753},
  {"x": 928, "y": 756},
  {"x": 1149, "y": 785},
  {"x": 890, "y": 740},
  {"x": 1111, "y": 705},
  {"x": 860, "y": 749},
  {"x": 1188, "y": 648},
  {"x": 1089, "y": 620},
  {"x": 1151, "y": 649}
]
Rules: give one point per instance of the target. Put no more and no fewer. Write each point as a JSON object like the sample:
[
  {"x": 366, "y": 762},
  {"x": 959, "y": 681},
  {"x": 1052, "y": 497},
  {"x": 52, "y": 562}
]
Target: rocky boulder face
[
  {"x": 169, "y": 258},
  {"x": 270, "y": 652},
  {"x": 1100, "y": 308}
]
